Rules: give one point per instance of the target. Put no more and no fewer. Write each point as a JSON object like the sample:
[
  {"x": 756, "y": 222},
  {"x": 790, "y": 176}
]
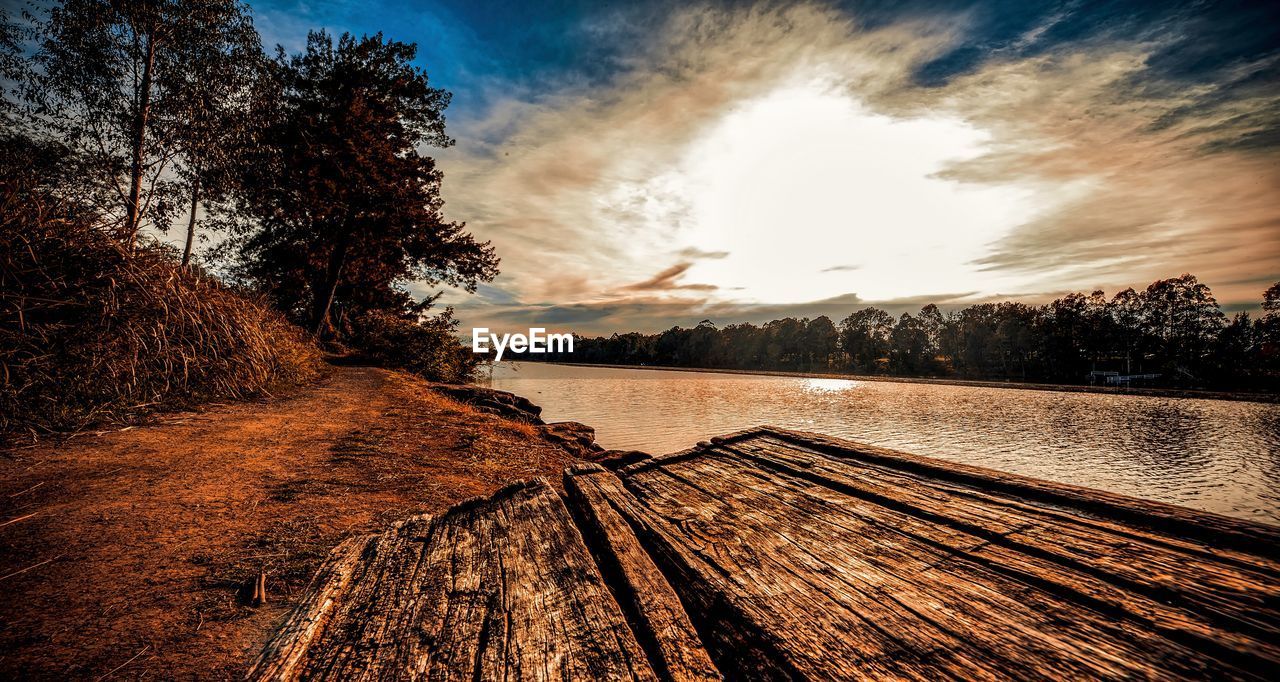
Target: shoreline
[{"x": 1203, "y": 394}]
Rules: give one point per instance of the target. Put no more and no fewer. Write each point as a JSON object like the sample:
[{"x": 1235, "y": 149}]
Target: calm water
[{"x": 1216, "y": 455}]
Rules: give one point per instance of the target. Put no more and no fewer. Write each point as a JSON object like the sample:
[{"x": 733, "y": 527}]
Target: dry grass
[{"x": 93, "y": 332}]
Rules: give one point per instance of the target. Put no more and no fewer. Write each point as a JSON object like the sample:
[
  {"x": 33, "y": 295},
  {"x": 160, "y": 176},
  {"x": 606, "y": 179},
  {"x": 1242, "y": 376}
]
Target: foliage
[
  {"x": 99, "y": 88},
  {"x": 428, "y": 347},
  {"x": 219, "y": 81},
  {"x": 128, "y": 113},
  {"x": 150, "y": 94},
  {"x": 340, "y": 207},
  {"x": 13, "y": 67},
  {"x": 91, "y": 331},
  {"x": 1172, "y": 328}
]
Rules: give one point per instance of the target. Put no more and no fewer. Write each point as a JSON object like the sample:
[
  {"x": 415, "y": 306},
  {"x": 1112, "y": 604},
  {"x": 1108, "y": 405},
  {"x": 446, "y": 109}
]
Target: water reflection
[
  {"x": 827, "y": 385},
  {"x": 1215, "y": 455}
]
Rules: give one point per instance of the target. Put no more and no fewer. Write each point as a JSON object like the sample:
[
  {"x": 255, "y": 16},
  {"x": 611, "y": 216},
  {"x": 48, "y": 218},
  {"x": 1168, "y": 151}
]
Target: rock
[
  {"x": 493, "y": 401},
  {"x": 577, "y": 438},
  {"x": 616, "y": 459}
]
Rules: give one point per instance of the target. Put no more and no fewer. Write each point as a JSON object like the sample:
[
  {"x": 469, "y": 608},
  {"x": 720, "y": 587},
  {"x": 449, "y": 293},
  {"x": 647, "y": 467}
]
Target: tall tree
[
  {"x": 909, "y": 345},
  {"x": 1235, "y": 347},
  {"x": 931, "y": 321},
  {"x": 821, "y": 341},
  {"x": 1271, "y": 306},
  {"x": 12, "y": 65},
  {"x": 342, "y": 206},
  {"x": 218, "y": 83},
  {"x": 1127, "y": 315},
  {"x": 100, "y": 88},
  {"x": 864, "y": 337},
  {"x": 1183, "y": 316},
  {"x": 1269, "y": 326}
]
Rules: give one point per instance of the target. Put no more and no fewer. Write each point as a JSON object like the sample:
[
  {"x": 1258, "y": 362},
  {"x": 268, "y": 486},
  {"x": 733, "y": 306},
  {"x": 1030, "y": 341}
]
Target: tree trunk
[
  {"x": 191, "y": 222},
  {"x": 337, "y": 260},
  {"x": 134, "y": 208}
]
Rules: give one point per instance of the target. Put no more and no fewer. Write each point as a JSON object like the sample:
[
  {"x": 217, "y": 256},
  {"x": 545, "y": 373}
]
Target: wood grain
[
  {"x": 662, "y": 624},
  {"x": 773, "y": 554},
  {"x": 497, "y": 588}
]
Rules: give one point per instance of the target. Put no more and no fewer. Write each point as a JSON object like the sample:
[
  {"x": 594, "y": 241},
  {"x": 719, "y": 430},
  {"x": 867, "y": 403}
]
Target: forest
[{"x": 1173, "y": 328}]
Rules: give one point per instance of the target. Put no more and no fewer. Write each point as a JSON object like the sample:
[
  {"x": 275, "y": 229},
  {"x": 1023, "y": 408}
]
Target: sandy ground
[{"x": 123, "y": 554}]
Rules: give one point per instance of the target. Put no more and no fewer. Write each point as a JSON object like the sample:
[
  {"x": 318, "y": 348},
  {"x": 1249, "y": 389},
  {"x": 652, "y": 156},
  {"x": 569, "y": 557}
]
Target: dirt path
[{"x": 123, "y": 554}]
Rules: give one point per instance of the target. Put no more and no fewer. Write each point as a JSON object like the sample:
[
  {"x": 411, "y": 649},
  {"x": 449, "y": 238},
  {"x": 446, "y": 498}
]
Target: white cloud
[{"x": 792, "y": 140}]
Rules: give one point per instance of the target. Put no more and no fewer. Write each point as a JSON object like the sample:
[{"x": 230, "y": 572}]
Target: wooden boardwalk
[{"x": 771, "y": 554}]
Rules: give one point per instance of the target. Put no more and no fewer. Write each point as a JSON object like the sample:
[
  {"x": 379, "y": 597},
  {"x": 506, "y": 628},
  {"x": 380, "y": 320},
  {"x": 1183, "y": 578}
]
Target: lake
[{"x": 1216, "y": 455}]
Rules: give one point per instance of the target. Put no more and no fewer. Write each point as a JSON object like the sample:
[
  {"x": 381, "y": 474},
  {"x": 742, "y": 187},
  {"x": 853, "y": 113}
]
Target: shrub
[
  {"x": 428, "y": 346},
  {"x": 91, "y": 332}
]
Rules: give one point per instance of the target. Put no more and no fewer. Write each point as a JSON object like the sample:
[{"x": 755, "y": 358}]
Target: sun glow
[{"x": 813, "y": 196}]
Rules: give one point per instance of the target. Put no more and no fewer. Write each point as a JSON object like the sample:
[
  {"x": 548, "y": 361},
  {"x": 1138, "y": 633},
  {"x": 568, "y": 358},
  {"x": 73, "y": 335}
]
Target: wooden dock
[{"x": 772, "y": 554}]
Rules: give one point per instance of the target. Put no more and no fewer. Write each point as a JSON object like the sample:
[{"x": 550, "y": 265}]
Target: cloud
[
  {"x": 694, "y": 253},
  {"x": 575, "y": 186},
  {"x": 650, "y": 313},
  {"x": 1141, "y": 155},
  {"x": 1156, "y": 191},
  {"x": 666, "y": 281}
]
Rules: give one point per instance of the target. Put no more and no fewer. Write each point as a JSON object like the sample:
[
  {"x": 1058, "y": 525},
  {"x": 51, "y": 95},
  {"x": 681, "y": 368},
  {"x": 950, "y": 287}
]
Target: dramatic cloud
[
  {"x": 808, "y": 159},
  {"x": 666, "y": 281}
]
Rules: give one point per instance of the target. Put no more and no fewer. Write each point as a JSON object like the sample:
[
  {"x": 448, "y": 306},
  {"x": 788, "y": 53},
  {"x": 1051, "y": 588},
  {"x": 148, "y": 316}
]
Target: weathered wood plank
[
  {"x": 921, "y": 574},
  {"x": 771, "y": 554},
  {"x": 673, "y": 644},
  {"x": 497, "y": 588},
  {"x": 1221, "y": 590},
  {"x": 856, "y": 583},
  {"x": 282, "y": 657},
  {"x": 1023, "y": 583},
  {"x": 1214, "y": 529}
]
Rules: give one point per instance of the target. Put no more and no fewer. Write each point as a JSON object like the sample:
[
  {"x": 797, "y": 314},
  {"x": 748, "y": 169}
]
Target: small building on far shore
[{"x": 1105, "y": 378}]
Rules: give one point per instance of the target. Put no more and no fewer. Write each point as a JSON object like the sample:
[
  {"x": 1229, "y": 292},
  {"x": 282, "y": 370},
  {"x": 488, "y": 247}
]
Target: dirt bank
[{"x": 123, "y": 553}]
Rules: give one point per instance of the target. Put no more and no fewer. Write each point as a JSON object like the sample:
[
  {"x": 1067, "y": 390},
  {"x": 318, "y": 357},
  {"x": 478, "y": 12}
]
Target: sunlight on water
[
  {"x": 1215, "y": 455},
  {"x": 827, "y": 385}
]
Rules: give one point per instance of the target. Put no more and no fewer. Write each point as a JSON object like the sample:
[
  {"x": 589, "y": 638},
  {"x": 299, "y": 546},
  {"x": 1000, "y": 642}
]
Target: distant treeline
[{"x": 1173, "y": 328}]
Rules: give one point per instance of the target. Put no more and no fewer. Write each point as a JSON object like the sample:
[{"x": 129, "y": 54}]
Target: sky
[{"x": 642, "y": 165}]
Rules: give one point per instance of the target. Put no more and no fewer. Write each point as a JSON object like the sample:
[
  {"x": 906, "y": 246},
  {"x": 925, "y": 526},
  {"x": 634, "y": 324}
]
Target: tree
[
  {"x": 1234, "y": 349},
  {"x": 101, "y": 89},
  {"x": 1270, "y": 320},
  {"x": 784, "y": 342},
  {"x": 13, "y": 68},
  {"x": 218, "y": 84},
  {"x": 1268, "y": 333},
  {"x": 1172, "y": 324},
  {"x": 1183, "y": 317},
  {"x": 909, "y": 345},
  {"x": 1127, "y": 317},
  {"x": 340, "y": 206},
  {"x": 135, "y": 87},
  {"x": 821, "y": 341},
  {"x": 864, "y": 337},
  {"x": 1016, "y": 336},
  {"x": 1271, "y": 301}
]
